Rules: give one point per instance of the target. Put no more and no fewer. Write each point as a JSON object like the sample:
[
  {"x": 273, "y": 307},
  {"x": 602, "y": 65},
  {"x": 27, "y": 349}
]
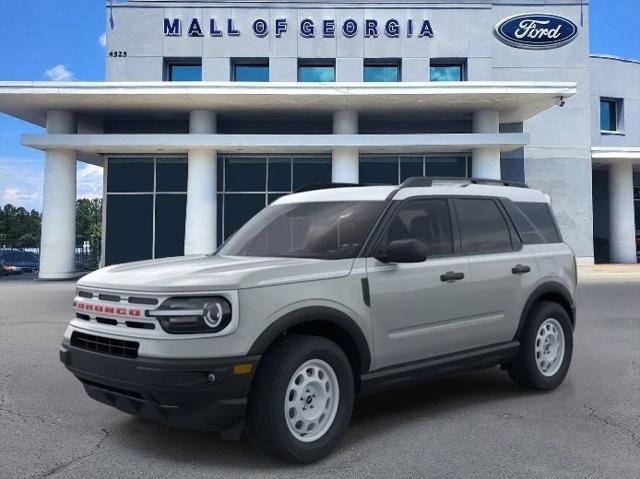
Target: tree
[
  {"x": 89, "y": 219},
  {"x": 22, "y": 228}
]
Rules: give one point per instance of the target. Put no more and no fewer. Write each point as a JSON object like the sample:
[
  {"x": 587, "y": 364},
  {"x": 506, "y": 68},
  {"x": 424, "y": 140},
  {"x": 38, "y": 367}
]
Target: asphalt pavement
[{"x": 474, "y": 426}]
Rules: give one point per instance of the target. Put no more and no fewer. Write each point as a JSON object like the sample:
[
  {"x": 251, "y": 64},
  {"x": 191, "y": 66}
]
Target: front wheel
[
  {"x": 546, "y": 347},
  {"x": 302, "y": 399}
]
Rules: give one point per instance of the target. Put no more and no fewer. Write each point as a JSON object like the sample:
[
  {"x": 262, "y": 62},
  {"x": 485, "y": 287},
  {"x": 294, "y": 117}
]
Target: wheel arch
[
  {"x": 321, "y": 321},
  {"x": 550, "y": 291}
]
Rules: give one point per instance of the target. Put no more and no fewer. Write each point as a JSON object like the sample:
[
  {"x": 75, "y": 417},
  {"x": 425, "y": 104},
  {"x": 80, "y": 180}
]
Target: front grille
[{"x": 100, "y": 344}]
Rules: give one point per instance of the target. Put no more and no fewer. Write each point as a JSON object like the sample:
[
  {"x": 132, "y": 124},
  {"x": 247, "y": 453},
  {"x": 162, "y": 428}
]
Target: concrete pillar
[
  {"x": 58, "y": 237},
  {"x": 486, "y": 160},
  {"x": 622, "y": 229},
  {"x": 200, "y": 235},
  {"x": 345, "y": 162}
]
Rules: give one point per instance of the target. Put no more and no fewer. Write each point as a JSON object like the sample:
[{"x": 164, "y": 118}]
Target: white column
[
  {"x": 486, "y": 160},
  {"x": 58, "y": 238},
  {"x": 622, "y": 229},
  {"x": 345, "y": 161},
  {"x": 200, "y": 225}
]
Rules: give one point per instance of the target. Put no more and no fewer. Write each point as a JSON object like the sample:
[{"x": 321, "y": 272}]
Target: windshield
[{"x": 323, "y": 230}]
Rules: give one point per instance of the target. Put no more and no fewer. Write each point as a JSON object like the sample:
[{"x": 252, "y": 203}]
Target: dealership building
[{"x": 213, "y": 109}]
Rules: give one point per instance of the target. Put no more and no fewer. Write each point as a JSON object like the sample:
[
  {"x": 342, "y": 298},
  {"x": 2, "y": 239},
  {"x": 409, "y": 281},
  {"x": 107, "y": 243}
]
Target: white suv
[{"x": 326, "y": 294}]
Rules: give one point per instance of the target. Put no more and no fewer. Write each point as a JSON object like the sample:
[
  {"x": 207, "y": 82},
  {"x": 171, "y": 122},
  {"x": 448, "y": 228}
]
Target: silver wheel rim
[
  {"x": 549, "y": 347},
  {"x": 311, "y": 400}
]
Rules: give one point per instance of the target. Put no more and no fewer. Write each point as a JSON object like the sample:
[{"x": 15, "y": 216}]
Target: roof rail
[
  {"x": 326, "y": 186},
  {"x": 427, "y": 181}
]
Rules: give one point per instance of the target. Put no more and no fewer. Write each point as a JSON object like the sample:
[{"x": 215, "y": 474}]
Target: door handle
[
  {"x": 451, "y": 276},
  {"x": 521, "y": 269}
]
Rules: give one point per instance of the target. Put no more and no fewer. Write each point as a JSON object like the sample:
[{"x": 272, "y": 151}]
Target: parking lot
[{"x": 478, "y": 425}]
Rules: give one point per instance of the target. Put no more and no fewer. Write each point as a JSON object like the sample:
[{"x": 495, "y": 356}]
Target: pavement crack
[
  {"x": 54, "y": 470},
  {"x": 591, "y": 412}
]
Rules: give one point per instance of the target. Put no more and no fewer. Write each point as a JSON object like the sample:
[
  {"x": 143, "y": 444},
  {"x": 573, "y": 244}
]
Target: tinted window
[
  {"x": 451, "y": 167},
  {"x": 446, "y": 72},
  {"x": 245, "y": 174},
  {"x": 130, "y": 175},
  {"x": 540, "y": 215},
  {"x": 410, "y": 167},
  {"x": 608, "y": 115},
  {"x": 528, "y": 232},
  {"x": 427, "y": 221},
  {"x": 323, "y": 230},
  {"x": 309, "y": 171},
  {"x": 483, "y": 228},
  {"x": 130, "y": 228},
  {"x": 171, "y": 175},
  {"x": 279, "y": 174},
  {"x": 381, "y": 73},
  {"x": 316, "y": 73},
  {"x": 251, "y": 72},
  {"x": 184, "y": 72},
  {"x": 170, "y": 217},
  {"x": 382, "y": 171},
  {"x": 240, "y": 208}
]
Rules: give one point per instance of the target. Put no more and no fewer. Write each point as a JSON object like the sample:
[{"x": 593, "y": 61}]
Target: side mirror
[{"x": 404, "y": 251}]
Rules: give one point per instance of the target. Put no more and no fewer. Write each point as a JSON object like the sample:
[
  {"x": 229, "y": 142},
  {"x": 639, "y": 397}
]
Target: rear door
[
  {"x": 416, "y": 308},
  {"x": 502, "y": 273}
]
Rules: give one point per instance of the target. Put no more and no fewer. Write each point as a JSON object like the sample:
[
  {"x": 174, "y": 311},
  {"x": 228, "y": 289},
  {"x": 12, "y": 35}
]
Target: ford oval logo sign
[{"x": 536, "y": 31}]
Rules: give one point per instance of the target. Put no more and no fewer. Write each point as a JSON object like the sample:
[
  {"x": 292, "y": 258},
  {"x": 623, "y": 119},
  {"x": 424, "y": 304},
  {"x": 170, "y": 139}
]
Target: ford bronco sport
[{"x": 326, "y": 294}]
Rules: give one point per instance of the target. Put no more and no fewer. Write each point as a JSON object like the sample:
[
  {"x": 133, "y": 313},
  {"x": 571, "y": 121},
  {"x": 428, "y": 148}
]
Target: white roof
[
  {"x": 445, "y": 188},
  {"x": 515, "y": 101}
]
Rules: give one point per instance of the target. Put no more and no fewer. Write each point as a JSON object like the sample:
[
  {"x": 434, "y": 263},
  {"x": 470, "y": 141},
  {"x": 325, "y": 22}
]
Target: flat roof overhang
[
  {"x": 89, "y": 144},
  {"x": 607, "y": 155},
  {"x": 515, "y": 101}
]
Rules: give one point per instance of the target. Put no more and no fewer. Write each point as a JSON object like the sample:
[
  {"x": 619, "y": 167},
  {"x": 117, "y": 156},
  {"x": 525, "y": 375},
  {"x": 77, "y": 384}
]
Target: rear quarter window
[{"x": 540, "y": 217}]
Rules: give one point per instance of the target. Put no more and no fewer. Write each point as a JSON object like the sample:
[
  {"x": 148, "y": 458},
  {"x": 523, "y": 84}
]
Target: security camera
[{"x": 560, "y": 101}]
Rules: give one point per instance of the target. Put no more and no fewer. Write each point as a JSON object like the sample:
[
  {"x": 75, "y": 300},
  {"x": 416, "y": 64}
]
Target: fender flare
[
  {"x": 311, "y": 314},
  {"x": 550, "y": 287}
]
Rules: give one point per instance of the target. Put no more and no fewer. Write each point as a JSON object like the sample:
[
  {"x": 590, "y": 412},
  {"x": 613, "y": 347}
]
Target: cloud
[
  {"x": 59, "y": 73},
  {"x": 21, "y": 181},
  {"x": 89, "y": 179},
  {"x": 102, "y": 40}
]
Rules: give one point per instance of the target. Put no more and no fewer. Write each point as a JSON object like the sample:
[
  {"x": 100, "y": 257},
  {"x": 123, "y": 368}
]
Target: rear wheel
[
  {"x": 302, "y": 399},
  {"x": 546, "y": 347}
]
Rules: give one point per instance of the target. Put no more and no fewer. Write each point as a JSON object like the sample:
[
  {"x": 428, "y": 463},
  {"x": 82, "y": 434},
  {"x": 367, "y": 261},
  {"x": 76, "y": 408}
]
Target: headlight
[{"x": 193, "y": 315}]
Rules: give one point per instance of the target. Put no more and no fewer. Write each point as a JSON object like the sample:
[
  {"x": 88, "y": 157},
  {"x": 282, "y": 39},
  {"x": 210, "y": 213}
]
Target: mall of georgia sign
[{"x": 535, "y": 31}]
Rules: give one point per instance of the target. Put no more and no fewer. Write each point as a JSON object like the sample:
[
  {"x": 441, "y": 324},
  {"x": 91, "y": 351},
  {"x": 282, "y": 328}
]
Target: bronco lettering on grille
[{"x": 114, "y": 310}]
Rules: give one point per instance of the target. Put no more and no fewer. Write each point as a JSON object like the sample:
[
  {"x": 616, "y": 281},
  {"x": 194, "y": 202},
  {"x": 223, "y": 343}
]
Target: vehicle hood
[{"x": 210, "y": 273}]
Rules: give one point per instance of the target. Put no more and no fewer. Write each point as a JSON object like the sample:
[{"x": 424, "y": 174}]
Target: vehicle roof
[{"x": 381, "y": 193}]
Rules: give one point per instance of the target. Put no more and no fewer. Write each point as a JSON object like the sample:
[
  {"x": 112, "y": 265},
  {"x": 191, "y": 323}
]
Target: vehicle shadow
[{"x": 373, "y": 415}]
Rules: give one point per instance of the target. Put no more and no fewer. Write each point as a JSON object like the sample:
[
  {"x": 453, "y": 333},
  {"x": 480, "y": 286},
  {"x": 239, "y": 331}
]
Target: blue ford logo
[{"x": 536, "y": 31}]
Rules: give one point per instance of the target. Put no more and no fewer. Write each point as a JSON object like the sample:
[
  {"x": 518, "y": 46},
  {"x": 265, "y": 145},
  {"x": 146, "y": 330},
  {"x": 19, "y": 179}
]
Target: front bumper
[{"x": 176, "y": 392}]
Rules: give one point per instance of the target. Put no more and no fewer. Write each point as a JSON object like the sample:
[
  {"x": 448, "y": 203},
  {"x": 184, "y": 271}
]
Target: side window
[
  {"x": 540, "y": 215},
  {"x": 483, "y": 228},
  {"x": 425, "y": 220}
]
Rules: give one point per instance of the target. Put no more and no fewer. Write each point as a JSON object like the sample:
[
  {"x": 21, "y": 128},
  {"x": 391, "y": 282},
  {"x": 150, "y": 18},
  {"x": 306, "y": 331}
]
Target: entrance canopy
[{"x": 515, "y": 101}]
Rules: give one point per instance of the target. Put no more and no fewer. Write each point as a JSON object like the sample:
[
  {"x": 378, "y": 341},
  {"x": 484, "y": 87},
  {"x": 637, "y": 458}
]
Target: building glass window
[
  {"x": 251, "y": 183},
  {"x": 609, "y": 115},
  {"x": 146, "y": 208},
  {"x": 394, "y": 169},
  {"x": 184, "y": 71},
  {"x": 317, "y": 71},
  {"x": 380, "y": 71},
  {"x": 447, "y": 71},
  {"x": 247, "y": 70}
]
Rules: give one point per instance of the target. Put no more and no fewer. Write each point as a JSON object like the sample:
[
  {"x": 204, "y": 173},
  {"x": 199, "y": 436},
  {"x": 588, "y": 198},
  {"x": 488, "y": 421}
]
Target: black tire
[
  {"x": 524, "y": 369},
  {"x": 267, "y": 427}
]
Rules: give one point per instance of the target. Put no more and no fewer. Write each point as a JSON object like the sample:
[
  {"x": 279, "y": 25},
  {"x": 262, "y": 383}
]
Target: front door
[{"x": 418, "y": 308}]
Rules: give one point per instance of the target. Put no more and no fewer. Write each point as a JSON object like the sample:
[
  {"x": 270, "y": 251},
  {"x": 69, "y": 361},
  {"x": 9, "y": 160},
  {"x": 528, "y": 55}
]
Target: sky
[{"x": 63, "y": 40}]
